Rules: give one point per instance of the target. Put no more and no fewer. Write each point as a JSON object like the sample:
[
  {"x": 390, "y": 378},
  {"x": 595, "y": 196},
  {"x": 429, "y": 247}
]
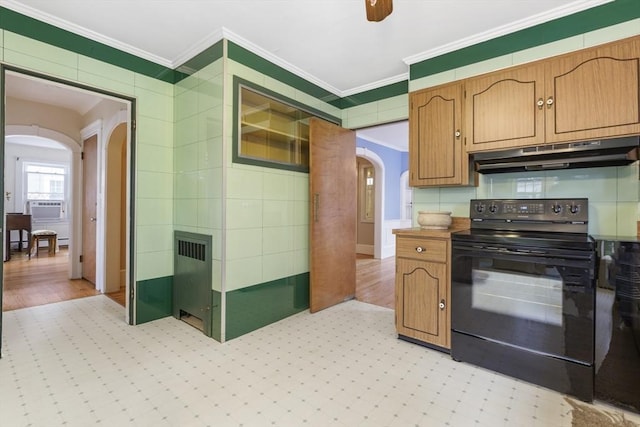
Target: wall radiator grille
[
  {"x": 192, "y": 279},
  {"x": 192, "y": 249}
]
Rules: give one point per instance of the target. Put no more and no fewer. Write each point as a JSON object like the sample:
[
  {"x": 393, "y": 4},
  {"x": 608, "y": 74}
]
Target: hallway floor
[{"x": 77, "y": 363}]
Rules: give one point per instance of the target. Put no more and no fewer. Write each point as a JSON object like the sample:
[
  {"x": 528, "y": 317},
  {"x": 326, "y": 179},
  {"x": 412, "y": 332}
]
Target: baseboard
[{"x": 364, "y": 249}]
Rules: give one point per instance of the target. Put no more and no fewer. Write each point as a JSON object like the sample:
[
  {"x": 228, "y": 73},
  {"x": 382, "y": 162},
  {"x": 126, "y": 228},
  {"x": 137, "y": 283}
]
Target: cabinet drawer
[{"x": 422, "y": 249}]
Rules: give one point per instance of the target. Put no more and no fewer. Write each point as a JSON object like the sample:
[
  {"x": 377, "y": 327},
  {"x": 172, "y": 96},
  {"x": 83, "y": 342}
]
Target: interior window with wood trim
[{"x": 272, "y": 131}]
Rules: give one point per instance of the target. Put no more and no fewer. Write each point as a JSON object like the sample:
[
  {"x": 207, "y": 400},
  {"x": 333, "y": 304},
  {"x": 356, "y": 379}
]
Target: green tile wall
[
  {"x": 216, "y": 315},
  {"x": 251, "y": 308},
  {"x": 589, "y": 20},
  {"x": 37, "y": 30},
  {"x": 183, "y": 146},
  {"x": 613, "y": 194},
  {"x": 154, "y": 299}
]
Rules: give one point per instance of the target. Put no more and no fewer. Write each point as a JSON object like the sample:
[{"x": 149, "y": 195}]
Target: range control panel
[{"x": 539, "y": 210}]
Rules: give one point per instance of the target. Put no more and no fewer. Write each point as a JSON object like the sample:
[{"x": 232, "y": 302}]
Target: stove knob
[
  {"x": 493, "y": 209},
  {"x": 556, "y": 208},
  {"x": 574, "y": 209},
  {"x": 479, "y": 208}
]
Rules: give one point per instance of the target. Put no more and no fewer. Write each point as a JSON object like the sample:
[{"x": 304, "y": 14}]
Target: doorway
[
  {"x": 378, "y": 195},
  {"x": 53, "y": 108}
]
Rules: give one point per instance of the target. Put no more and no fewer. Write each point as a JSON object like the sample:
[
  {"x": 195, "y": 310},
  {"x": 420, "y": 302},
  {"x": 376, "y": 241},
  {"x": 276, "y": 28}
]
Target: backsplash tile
[
  {"x": 597, "y": 184},
  {"x": 603, "y": 218},
  {"x": 629, "y": 183},
  {"x": 613, "y": 193},
  {"x": 626, "y": 212}
]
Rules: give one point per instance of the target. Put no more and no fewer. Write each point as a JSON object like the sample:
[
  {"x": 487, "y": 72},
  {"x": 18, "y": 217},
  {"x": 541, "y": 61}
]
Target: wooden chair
[{"x": 51, "y": 237}]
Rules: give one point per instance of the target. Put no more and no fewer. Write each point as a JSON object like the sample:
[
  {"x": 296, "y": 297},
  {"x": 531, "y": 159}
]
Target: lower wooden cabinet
[{"x": 423, "y": 290}]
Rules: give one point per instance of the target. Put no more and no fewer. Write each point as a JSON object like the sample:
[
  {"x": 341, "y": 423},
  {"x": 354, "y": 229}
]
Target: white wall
[{"x": 15, "y": 155}]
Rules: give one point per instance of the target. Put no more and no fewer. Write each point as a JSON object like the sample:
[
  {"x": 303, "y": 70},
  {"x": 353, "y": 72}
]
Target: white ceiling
[
  {"x": 328, "y": 42},
  {"x": 392, "y": 135},
  {"x": 33, "y": 89}
]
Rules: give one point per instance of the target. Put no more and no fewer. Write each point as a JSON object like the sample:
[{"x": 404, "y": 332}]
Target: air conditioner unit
[{"x": 45, "y": 210}]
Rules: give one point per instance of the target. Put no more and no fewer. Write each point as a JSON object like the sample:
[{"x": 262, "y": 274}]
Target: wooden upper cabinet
[
  {"x": 594, "y": 93},
  {"x": 436, "y": 150},
  {"x": 589, "y": 94},
  {"x": 502, "y": 109}
]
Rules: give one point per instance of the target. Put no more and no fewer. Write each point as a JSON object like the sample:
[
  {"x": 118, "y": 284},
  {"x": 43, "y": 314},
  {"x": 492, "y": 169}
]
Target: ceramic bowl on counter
[{"x": 434, "y": 220}]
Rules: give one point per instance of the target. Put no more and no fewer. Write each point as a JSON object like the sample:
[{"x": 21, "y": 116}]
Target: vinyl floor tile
[{"x": 76, "y": 363}]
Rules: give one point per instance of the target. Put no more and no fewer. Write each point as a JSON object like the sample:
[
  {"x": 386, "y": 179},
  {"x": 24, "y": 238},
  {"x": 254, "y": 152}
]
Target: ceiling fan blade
[{"x": 377, "y": 10}]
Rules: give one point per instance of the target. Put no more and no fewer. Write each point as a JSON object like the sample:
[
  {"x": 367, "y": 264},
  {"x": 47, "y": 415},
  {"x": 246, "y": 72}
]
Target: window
[
  {"x": 367, "y": 186},
  {"x": 45, "y": 181},
  {"x": 271, "y": 130}
]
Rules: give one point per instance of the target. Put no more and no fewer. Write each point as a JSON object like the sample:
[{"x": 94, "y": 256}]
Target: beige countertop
[{"x": 457, "y": 224}]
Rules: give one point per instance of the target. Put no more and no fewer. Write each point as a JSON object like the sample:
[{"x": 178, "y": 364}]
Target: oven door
[{"x": 540, "y": 301}]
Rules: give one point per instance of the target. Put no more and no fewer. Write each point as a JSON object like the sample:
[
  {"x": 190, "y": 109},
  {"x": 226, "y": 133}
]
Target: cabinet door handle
[
  {"x": 540, "y": 103},
  {"x": 549, "y": 102},
  {"x": 442, "y": 305},
  {"x": 457, "y": 134},
  {"x": 316, "y": 202},
  {"x": 419, "y": 249}
]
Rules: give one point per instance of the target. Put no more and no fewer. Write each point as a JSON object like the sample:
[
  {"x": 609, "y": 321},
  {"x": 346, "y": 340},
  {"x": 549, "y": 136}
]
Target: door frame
[
  {"x": 378, "y": 223},
  {"x": 93, "y": 129},
  {"x": 129, "y": 115}
]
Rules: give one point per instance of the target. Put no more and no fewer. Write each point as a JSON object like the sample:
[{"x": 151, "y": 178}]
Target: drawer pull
[{"x": 419, "y": 249}]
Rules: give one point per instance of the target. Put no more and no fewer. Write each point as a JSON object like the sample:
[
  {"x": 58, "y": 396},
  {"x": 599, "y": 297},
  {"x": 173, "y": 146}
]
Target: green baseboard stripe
[
  {"x": 216, "y": 315},
  {"x": 251, "y": 308},
  {"x": 154, "y": 299}
]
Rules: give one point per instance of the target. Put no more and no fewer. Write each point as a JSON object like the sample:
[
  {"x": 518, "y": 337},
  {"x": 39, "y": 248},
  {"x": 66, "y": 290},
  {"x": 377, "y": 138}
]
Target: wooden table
[{"x": 20, "y": 222}]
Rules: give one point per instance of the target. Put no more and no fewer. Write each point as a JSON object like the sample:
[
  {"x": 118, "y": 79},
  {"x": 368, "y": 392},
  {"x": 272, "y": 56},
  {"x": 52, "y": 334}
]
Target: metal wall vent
[
  {"x": 192, "y": 277},
  {"x": 192, "y": 249}
]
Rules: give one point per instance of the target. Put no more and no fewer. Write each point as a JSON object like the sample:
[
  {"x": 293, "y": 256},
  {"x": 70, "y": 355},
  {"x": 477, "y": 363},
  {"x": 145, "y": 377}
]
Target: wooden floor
[
  {"x": 43, "y": 280},
  {"x": 375, "y": 280}
]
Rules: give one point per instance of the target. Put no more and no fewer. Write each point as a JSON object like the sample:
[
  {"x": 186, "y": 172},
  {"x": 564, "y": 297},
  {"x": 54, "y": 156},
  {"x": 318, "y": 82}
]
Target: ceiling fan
[{"x": 377, "y": 10}]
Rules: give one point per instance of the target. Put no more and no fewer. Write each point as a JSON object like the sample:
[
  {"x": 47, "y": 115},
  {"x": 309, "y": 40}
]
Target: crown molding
[
  {"x": 198, "y": 48},
  {"x": 254, "y": 48},
  {"x": 559, "y": 12},
  {"x": 403, "y": 149},
  {"x": 375, "y": 85},
  {"x": 84, "y": 32}
]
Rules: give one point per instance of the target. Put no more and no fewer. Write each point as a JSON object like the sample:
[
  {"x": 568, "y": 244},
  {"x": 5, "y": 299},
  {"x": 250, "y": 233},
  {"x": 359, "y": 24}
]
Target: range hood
[{"x": 572, "y": 155}]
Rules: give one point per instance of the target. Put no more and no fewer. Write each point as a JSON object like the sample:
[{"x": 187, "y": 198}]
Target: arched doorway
[
  {"x": 379, "y": 173},
  {"x": 115, "y": 216},
  {"x": 49, "y": 137}
]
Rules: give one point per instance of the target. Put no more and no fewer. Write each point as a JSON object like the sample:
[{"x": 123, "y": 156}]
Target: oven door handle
[{"x": 553, "y": 256}]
